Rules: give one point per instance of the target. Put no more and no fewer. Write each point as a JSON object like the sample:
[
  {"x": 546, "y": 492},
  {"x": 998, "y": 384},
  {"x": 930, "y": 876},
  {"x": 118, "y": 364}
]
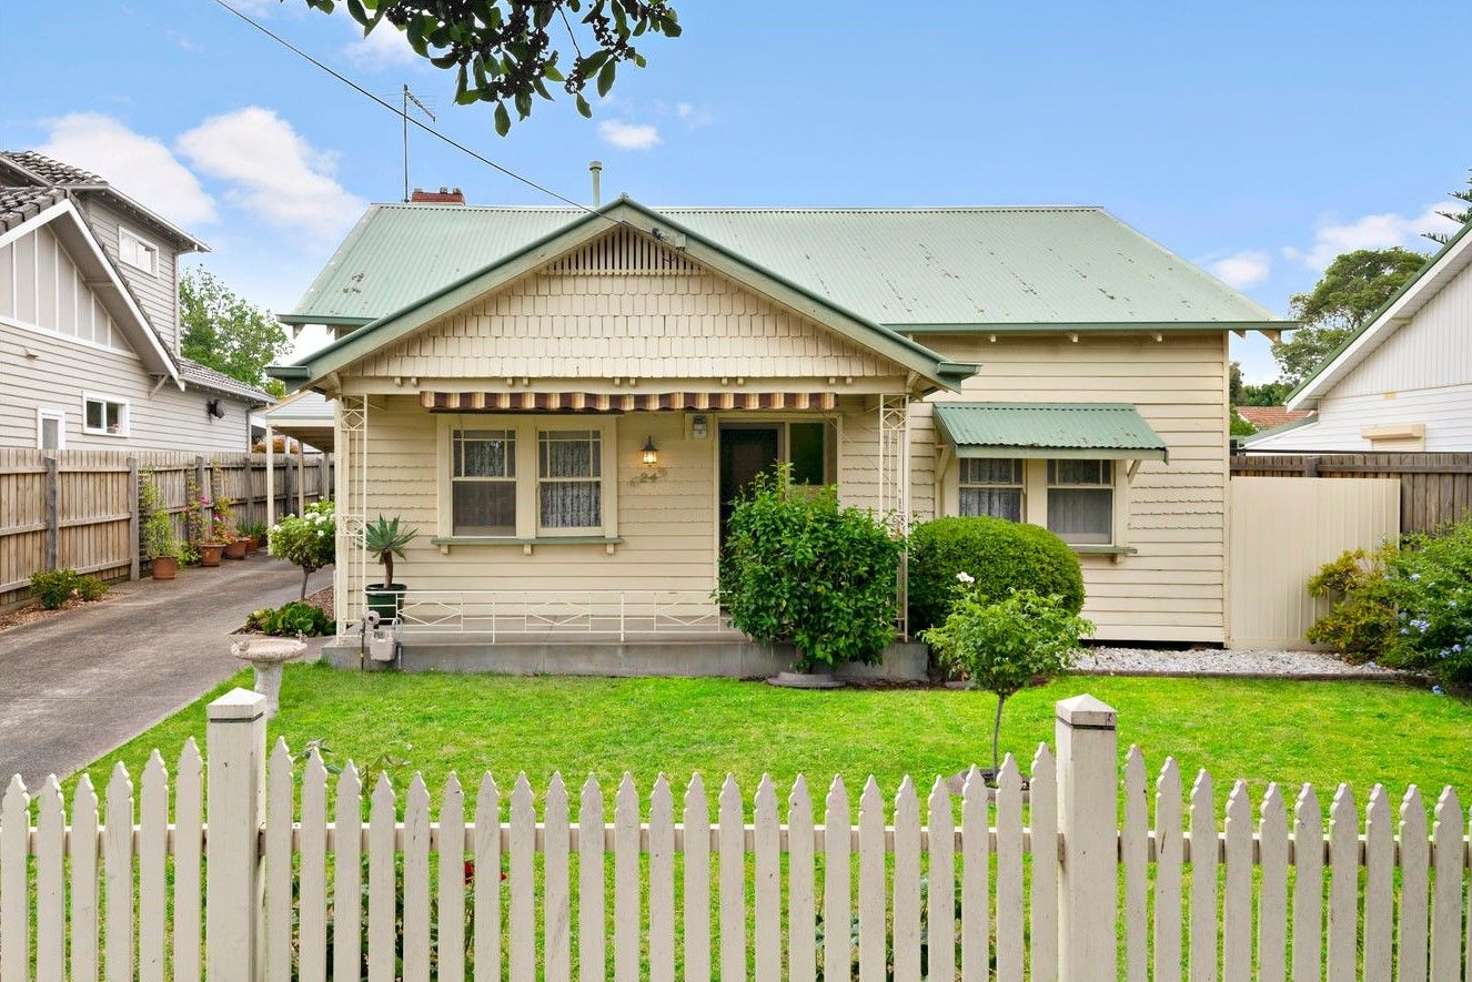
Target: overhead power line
[{"x": 408, "y": 119}]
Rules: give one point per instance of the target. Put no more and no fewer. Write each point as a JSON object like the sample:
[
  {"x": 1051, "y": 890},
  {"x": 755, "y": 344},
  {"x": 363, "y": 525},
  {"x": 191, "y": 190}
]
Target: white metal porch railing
[{"x": 620, "y": 615}]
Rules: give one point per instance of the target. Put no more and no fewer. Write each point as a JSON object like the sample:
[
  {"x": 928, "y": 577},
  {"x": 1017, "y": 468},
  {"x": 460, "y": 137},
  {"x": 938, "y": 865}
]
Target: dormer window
[{"x": 137, "y": 251}]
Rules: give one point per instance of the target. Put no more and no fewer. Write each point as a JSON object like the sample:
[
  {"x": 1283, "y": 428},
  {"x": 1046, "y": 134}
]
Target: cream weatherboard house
[{"x": 565, "y": 402}]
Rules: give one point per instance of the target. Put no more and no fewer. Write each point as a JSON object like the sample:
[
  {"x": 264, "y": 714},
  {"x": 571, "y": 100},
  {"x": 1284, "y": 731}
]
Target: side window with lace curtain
[
  {"x": 991, "y": 487},
  {"x": 1081, "y": 501},
  {"x": 570, "y": 479}
]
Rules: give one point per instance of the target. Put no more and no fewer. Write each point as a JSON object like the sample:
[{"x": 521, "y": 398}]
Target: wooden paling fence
[
  {"x": 1435, "y": 488},
  {"x": 78, "y": 509},
  {"x": 489, "y": 889}
]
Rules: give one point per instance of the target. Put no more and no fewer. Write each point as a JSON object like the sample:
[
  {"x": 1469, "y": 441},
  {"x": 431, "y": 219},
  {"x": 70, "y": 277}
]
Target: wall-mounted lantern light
[{"x": 651, "y": 452}]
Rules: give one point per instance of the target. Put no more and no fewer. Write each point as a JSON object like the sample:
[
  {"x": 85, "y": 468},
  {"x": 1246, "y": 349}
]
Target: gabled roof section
[
  {"x": 19, "y": 205},
  {"x": 63, "y": 218},
  {"x": 582, "y": 228},
  {"x": 921, "y": 270},
  {"x": 31, "y": 168},
  {"x": 1450, "y": 261}
]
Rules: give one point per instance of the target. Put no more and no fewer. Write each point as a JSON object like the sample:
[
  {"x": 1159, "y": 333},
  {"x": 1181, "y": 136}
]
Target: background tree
[
  {"x": 1234, "y": 385},
  {"x": 1264, "y": 394},
  {"x": 1461, "y": 217},
  {"x": 503, "y": 51},
  {"x": 1353, "y": 287},
  {"x": 227, "y": 333}
]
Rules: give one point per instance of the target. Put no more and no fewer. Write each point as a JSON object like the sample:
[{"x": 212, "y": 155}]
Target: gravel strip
[{"x": 1228, "y": 662}]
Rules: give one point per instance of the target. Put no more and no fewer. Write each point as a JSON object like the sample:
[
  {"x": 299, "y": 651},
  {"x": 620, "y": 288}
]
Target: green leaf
[
  {"x": 463, "y": 95},
  {"x": 503, "y": 119},
  {"x": 583, "y": 106},
  {"x": 605, "y": 78},
  {"x": 355, "y": 7},
  {"x": 523, "y": 104}
]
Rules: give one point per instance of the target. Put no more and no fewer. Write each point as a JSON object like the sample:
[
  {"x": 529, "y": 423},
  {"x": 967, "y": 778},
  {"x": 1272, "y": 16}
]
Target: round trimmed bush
[{"x": 1001, "y": 555}]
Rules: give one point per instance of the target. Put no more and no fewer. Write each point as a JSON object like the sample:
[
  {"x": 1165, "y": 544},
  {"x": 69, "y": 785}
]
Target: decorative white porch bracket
[
  {"x": 894, "y": 487},
  {"x": 350, "y": 573}
]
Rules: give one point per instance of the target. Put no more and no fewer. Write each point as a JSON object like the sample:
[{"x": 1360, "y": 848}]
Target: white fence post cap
[
  {"x": 238, "y": 704},
  {"x": 1086, "y": 711}
]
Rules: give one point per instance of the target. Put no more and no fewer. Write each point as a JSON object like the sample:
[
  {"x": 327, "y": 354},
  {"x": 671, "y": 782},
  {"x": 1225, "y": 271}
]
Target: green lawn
[{"x": 1290, "y": 732}]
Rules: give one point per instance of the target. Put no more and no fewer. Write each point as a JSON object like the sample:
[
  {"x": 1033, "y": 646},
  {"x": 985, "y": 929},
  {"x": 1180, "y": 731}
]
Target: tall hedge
[{"x": 998, "y": 553}]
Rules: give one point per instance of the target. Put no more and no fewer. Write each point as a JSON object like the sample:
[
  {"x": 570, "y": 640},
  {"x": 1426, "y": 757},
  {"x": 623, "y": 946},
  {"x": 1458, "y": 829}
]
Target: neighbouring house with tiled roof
[
  {"x": 566, "y": 402},
  {"x": 1266, "y": 417},
  {"x": 89, "y": 322},
  {"x": 1403, "y": 381}
]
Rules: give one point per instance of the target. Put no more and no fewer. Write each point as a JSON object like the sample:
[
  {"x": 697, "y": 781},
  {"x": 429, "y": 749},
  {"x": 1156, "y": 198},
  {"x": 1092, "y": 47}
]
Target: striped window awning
[{"x": 624, "y": 402}]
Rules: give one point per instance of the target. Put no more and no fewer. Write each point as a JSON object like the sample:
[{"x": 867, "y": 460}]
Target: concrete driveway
[{"x": 74, "y": 686}]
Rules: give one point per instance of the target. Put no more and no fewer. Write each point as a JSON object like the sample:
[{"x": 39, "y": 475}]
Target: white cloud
[
  {"x": 139, "y": 166},
  {"x": 1381, "y": 231},
  {"x": 1243, "y": 269},
  {"x": 272, "y": 171},
  {"x": 629, "y": 136},
  {"x": 694, "y": 116},
  {"x": 384, "y": 47}
]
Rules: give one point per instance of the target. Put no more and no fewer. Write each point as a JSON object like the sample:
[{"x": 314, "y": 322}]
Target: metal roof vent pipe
[{"x": 595, "y": 167}]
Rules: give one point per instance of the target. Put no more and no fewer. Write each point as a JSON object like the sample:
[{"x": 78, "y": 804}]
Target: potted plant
[
  {"x": 210, "y": 545},
  {"x": 254, "y": 534},
  {"x": 386, "y": 539},
  {"x": 1003, "y": 645},
  {"x": 159, "y": 540},
  {"x": 800, "y": 569},
  {"x": 225, "y": 531}
]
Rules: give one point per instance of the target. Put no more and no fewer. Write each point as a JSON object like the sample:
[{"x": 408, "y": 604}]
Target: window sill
[
  {"x": 115, "y": 436},
  {"x": 445, "y": 542},
  {"x": 1114, "y": 552}
]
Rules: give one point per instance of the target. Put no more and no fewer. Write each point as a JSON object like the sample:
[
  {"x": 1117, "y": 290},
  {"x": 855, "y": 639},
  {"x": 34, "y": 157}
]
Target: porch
[{"x": 554, "y": 520}]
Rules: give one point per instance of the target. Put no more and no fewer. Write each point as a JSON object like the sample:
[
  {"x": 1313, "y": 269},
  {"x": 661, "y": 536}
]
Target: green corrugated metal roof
[
  {"x": 1014, "y": 429},
  {"x": 909, "y": 269}
]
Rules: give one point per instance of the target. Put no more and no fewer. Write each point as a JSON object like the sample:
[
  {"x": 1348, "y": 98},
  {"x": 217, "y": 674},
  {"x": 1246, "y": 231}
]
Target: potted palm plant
[
  {"x": 386, "y": 539},
  {"x": 158, "y": 532}
]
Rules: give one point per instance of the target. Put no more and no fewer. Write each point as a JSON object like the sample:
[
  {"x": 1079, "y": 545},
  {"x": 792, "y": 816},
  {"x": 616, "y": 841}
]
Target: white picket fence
[{"x": 282, "y": 897}]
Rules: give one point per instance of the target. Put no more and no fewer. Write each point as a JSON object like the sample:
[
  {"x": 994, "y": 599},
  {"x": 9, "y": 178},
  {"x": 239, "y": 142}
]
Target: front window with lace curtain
[
  {"x": 483, "y": 482},
  {"x": 569, "y": 479}
]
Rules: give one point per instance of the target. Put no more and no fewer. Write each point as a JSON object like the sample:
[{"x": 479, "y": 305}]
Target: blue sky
[{"x": 1258, "y": 139}]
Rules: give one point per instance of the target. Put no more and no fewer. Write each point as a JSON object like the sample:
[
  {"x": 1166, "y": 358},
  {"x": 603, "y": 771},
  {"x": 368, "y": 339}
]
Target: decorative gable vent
[{"x": 623, "y": 252}]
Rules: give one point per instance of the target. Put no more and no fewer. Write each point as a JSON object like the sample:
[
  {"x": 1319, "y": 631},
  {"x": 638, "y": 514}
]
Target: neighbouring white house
[
  {"x": 1403, "y": 382},
  {"x": 565, "y": 402},
  {"x": 89, "y": 323}
]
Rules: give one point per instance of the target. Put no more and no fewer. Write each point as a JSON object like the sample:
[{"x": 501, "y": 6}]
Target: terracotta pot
[
  {"x": 209, "y": 553},
  {"x": 251, "y": 545},
  {"x": 235, "y": 549},
  {"x": 165, "y": 567}
]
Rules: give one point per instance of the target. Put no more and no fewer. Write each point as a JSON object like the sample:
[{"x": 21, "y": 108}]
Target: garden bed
[{"x": 1232, "y": 663}]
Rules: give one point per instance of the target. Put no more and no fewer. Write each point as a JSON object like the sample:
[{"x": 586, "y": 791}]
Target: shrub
[
  {"x": 1001, "y": 645},
  {"x": 309, "y": 540},
  {"x": 291, "y": 620},
  {"x": 1362, "y": 617},
  {"x": 55, "y": 587},
  {"x": 1001, "y": 555},
  {"x": 1431, "y": 583},
  {"x": 799, "y": 568}
]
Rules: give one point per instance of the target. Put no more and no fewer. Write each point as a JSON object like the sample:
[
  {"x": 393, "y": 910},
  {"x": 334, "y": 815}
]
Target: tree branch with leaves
[{"x": 506, "y": 51}]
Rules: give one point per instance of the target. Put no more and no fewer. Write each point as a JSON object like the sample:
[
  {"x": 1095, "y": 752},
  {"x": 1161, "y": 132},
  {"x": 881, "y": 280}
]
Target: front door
[{"x": 747, "y": 449}]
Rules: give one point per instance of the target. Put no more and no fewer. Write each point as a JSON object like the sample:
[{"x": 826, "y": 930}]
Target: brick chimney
[{"x": 444, "y": 196}]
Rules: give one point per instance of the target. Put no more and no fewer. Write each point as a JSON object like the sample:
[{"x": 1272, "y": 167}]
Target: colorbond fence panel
[
  {"x": 934, "y": 900},
  {"x": 78, "y": 509}
]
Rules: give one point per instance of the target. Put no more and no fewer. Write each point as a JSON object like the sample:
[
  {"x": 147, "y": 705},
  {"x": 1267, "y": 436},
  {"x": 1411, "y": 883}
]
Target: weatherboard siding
[
  {"x": 41, "y": 287},
  {"x": 1433, "y": 351},
  {"x": 48, "y": 371},
  {"x": 1173, "y": 589},
  {"x": 157, "y": 295}
]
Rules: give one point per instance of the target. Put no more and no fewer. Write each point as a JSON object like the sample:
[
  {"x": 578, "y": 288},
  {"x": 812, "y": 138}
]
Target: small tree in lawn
[
  {"x": 799, "y": 568},
  {"x": 309, "y": 540},
  {"x": 1002, "y": 645}
]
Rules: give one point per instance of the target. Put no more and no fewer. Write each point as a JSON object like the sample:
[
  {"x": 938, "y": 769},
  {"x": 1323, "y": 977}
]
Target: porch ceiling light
[{"x": 651, "y": 452}]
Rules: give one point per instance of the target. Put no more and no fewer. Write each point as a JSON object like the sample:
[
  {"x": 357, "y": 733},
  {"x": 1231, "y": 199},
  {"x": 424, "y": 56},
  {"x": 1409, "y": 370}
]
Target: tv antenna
[{"x": 408, "y": 98}]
